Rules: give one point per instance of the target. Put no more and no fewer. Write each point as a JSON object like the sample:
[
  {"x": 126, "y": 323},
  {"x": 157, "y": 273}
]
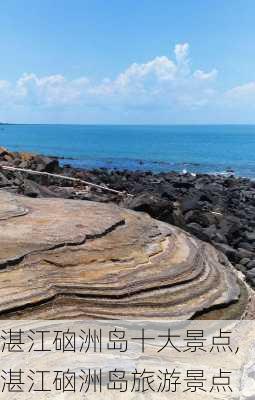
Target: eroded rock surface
[{"x": 78, "y": 259}]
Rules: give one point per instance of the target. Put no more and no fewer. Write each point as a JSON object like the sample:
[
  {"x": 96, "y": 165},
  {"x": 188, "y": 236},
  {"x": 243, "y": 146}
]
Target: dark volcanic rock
[
  {"x": 197, "y": 231},
  {"x": 251, "y": 276},
  {"x": 250, "y": 236},
  {"x": 191, "y": 203},
  {"x": 152, "y": 204},
  {"x": 230, "y": 226},
  {"x": 204, "y": 219},
  {"x": 244, "y": 261},
  {"x": 231, "y": 253},
  {"x": 251, "y": 264},
  {"x": 46, "y": 164},
  {"x": 4, "y": 181},
  {"x": 243, "y": 253},
  {"x": 219, "y": 238},
  {"x": 33, "y": 189},
  {"x": 247, "y": 246}
]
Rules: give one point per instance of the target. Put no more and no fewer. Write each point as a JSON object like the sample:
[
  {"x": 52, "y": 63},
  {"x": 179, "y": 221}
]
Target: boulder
[
  {"x": 250, "y": 264},
  {"x": 177, "y": 215},
  {"x": 3, "y": 152},
  {"x": 80, "y": 259},
  {"x": 150, "y": 203},
  {"x": 8, "y": 157},
  {"x": 250, "y": 236},
  {"x": 241, "y": 268},
  {"x": 243, "y": 253},
  {"x": 228, "y": 251},
  {"x": 246, "y": 246},
  {"x": 24, "y": 156},
  {"x": 204, "y": 219},
  {"x": 190, "y": 203},
  {"x": 244, "y": 261},
  {"x": 33, "y": 189},
  {"x": 219, "y": 238},
  {"x": 4, "y": 181},
  {"x": 206, "y": 234},
  {"x": 251, "y": 274},
  {"x": 230, "y": 227},
  {"x": 45, "y": 164},
  {"x": 167, "y": 191}
]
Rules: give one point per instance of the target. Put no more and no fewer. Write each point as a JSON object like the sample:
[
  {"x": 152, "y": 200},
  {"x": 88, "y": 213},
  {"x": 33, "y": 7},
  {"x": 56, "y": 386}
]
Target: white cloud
[
  {"x": 181, "y": 51},
  {"x": 245, "y": 91},
  {"x": 4, "y": 84},
  {"x": 162, "y": 68},
  {"x": 205, "y": 76},
  {"x": 49, "y": 90},
  {"x": 160, "y": 83}
]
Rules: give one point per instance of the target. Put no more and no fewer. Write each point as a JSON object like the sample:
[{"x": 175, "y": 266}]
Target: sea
[{"x": 213, "y": 149}]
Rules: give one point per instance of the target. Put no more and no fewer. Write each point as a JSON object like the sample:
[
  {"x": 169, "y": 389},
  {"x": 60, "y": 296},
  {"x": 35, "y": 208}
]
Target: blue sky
[{"x": 146, "y": 61}]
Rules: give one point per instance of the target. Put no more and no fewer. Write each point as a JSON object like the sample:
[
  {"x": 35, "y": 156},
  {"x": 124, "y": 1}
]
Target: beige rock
[
  {"x": 76, "y": 259},
  {"x": 26, "y": 156}
]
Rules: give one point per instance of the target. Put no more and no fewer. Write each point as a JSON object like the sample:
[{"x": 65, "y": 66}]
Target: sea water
[{"x": 194, "y": 148}]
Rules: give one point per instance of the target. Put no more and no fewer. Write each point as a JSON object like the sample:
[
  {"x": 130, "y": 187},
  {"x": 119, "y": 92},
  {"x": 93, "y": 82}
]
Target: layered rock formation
[{"x": 78, "y": 259}]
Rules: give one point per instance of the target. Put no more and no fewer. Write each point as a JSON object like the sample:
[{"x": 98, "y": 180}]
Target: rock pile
[
  {"x": 216, "y": 209},
  {"x": 29, "y": 160}
]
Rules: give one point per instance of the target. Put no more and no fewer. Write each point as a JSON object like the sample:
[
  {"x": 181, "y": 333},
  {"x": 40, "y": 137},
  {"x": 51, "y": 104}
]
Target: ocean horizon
[{"x": 224, "y": 148}]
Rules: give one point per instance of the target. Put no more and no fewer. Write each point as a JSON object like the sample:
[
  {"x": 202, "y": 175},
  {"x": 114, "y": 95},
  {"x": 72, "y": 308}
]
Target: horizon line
[{"x": 126, "y": 124}]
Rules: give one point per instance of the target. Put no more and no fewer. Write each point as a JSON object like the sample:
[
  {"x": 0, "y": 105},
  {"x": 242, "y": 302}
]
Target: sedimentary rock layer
[{"x": 78, "y": 259}]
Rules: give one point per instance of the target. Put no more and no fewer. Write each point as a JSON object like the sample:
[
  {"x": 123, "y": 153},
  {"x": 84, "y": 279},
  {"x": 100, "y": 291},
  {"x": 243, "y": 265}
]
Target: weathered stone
[
  {"x": 150, "y": 203},
  {"x": 204, "y": 219},
  {"x": 210, "y": 232},
  {"x": 219, "y": 238},
  {"x": 228, "y": 250},
  {"x": 243, "y": 253},
  {"x": 46, "y": 164},
  {"x": 190, "y": 203},
  {"x": 8, "y": 157},
  {"x": 26, "y": 156},
  {"x": 247, "y": 246},
  {"x": 33, "y": 189},
  {"x": 3, "y": 151},
  {"x": 230, "y": 227},
  {"x": 77, "y": 259},
  {"x": 251, "y": 274},
  {"x": 251, "y": 264},
  {"x": 241, "y": 268},
  {"x": 250, "y": 236},
  {"x": 244, "y": 261},
  {"x": 4, "y": 181}
]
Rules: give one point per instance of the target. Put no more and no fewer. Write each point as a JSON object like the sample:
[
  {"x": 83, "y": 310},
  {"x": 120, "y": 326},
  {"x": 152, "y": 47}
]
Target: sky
[{"x": 127, "y": 62}]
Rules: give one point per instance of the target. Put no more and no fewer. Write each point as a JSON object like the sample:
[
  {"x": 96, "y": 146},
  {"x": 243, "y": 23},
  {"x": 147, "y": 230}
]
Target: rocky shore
[
  {"x": 82, "y": 259},
  {"x": 216, "y": 209}
]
